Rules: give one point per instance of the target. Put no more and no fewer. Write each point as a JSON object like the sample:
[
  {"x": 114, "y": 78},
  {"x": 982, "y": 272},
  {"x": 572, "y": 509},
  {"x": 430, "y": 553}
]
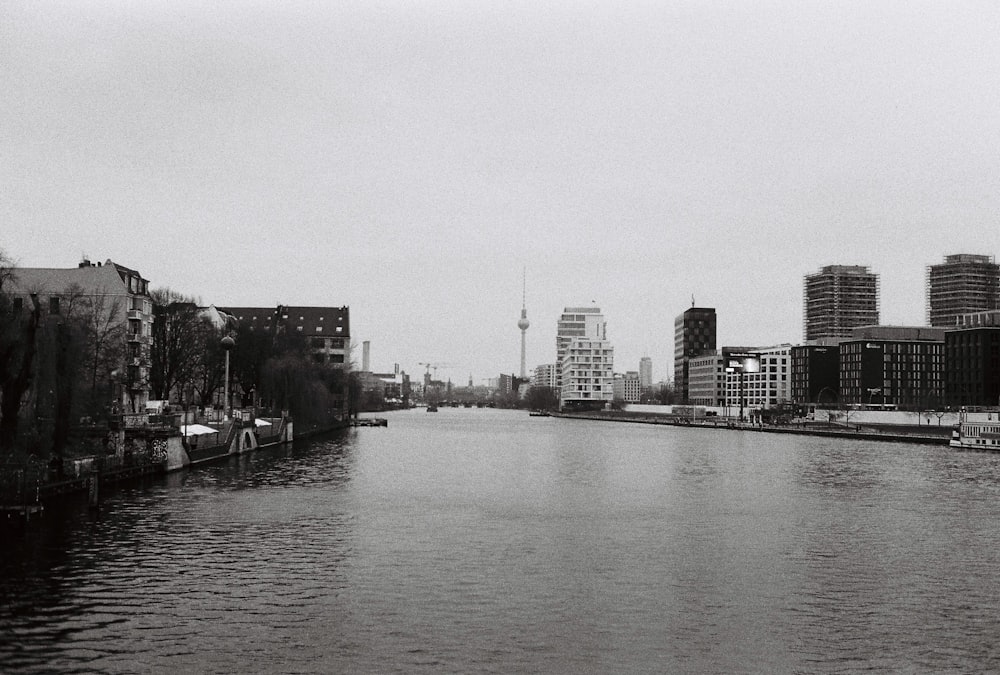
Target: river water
[{"x": 476, "y": 540}]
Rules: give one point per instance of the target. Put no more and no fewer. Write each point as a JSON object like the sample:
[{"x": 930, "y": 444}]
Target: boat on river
[
  {"x": 977, "y": 432},
  {"x": 432, "y": 408}
]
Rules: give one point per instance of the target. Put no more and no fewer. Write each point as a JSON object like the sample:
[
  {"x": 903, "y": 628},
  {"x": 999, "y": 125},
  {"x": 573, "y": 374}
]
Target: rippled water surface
[{"x": 489, "y": 541}]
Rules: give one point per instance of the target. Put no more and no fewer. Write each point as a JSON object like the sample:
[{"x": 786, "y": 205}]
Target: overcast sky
[{"x": 410, "y": 159}]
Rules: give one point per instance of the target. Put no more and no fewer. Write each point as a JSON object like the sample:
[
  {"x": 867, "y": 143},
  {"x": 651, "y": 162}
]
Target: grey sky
[{"x": 408, "y": 159}]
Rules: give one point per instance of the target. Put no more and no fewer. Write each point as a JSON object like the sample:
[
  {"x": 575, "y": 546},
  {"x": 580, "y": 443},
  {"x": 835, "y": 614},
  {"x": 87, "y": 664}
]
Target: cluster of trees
[{"x": 64, "y": 364}]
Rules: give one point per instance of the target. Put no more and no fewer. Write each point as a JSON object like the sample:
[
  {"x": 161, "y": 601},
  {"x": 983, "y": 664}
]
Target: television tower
[{"x": 523, "y": 324}]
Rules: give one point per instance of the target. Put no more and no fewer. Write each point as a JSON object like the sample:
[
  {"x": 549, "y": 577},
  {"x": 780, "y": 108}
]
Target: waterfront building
[
  {"x": 759, "y": 378},
  {"x": 626, "y": 388},
  {"x": 839, "y": 298},
  {"x": 893, "y": 366},
  {"x": 707, "y": 379},
  {"x": 962, "y": 284},
  {"x": 972, "y": 361},
  {"x": 694, "y": 335},
  {"x": 327, "y": 330},
  {"x": 114, "y": 297},
  {"x": 815, "y": 372},
  {"x": 646, "y": 374},
  {"x": 577, "y": 322},
  {"x": 586, "y": 373}
]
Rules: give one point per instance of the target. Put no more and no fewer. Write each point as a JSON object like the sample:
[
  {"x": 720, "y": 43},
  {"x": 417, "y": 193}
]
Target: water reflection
[{"x": 488, "y": 541}]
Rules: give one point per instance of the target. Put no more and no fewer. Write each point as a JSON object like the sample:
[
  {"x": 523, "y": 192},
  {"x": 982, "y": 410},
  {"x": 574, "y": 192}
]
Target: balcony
[{"x": 135, "y": 314}]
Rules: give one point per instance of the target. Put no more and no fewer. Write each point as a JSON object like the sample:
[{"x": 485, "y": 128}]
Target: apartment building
[
  {"x": 838, "y": 299},
  {"x": 113, "y": 297},
  {"x": 963, "y": 284},
  {"x": 587, "y": 374}
]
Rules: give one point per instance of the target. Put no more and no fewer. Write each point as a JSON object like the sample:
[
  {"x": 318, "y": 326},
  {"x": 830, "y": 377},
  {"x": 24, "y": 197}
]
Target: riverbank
[{"x": 922, "y": 434}]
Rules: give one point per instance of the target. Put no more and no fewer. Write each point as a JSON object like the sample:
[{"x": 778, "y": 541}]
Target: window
[{"x": 54, "y": 305}]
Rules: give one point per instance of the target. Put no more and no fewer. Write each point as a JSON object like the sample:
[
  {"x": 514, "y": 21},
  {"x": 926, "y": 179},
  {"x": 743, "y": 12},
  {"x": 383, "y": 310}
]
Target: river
[{"x": 487, "y": 541}]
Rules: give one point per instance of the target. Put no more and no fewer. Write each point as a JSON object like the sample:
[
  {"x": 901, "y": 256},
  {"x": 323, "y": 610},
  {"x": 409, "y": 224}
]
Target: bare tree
[{"x": 180, "y": 333}]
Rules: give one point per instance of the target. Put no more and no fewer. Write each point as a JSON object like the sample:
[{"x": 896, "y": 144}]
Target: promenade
[{"x": 924, "y": 434}]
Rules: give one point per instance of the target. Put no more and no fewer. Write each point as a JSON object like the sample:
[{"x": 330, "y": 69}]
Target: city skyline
[{"x": 411, "y": 162}]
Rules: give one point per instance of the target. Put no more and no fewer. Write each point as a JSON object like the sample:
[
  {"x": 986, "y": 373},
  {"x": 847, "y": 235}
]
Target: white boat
[{"x": 977, "y": 431}]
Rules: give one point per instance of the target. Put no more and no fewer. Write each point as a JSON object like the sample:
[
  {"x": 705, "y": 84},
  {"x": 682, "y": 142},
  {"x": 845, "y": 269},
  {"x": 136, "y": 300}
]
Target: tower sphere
[{"x": 523, "y": 323}]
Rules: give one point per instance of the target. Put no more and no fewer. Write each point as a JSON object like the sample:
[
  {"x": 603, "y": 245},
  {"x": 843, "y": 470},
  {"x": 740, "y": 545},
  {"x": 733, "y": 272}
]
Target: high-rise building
[
  {"x": 577, "y": 322},
  {"x": 962, "y": 284},
  {"x": 694, "y": 335},
  {"x": 645, "y": 373},
  {"x": 839, "y": 298}
]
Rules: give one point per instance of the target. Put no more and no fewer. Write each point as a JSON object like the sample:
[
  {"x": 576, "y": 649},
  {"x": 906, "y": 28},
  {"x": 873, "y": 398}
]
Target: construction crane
[{"x": 435, "y": 366}]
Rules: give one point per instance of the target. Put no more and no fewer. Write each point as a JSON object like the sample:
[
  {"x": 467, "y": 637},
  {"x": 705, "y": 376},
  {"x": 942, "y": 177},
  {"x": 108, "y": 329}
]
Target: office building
[
  {"x": 759, "y": 378},
  {"x": 962, "y": 284},
  {"x": 893, "y": 366},
  {"x": 815, "y": 372},
  {"x": 646, "y": 373},
  {"x": 707, "y": 380},
  {"x": 837, "y": 299},
  {"x": 626, "y": 388},
  {"x": 694, "y": 335},
  {"x": 972, "y": 361}
]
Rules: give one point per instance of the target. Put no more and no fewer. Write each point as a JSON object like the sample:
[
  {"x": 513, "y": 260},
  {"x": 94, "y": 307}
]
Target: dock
[{"x": 370, "y": 422}]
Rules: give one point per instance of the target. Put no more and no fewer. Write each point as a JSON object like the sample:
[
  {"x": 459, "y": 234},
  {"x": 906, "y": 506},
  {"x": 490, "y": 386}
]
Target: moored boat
[{"x": 979, "y": 433}]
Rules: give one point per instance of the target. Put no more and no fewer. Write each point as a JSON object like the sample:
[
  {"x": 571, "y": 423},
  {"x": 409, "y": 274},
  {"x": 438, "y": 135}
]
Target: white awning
[
  {"x": 261, "y": 423},
  {"x": 197, "y": 430}
]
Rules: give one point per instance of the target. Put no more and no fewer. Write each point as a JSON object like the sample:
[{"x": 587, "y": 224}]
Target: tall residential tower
[
  {"x": 962, "y": 284},
  {"x": 837, "y": 299}
]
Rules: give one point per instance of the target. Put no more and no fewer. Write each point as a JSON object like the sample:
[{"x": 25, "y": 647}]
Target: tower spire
[{"x": 523, "y": 322}]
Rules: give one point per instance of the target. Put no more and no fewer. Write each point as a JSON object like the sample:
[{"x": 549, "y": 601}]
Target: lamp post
[{"x": 227, "y": 345}]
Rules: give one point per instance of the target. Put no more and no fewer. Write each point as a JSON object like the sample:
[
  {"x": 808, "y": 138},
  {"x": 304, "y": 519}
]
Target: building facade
[
  {"x": 707, "y": 380},
  {"x": 694, "y": 335},
  {"x": 838, "y": 299},
  {"x": 627, "y": 388},
  {"x": 545, "y": 376},
  {"x": 815, "y": 373},
  {"x": 972, "y": 361},
  {"x": 587, "y": 373},
  {"x": 115, "y": 297},
  {"x": 574, "y": 323},
  {"x": 893, "y": 366},
  {"x": 646, "y": 374},
  {"x": 327, "y": 330},
  {"x": 962, "y": 284},
  {"x": 763, "y": 380}
]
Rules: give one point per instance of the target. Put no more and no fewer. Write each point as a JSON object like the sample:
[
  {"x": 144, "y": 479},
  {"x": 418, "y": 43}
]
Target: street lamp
[
  {"x": 873, "y": 390},
  {"x": 227, "y": 345}
]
